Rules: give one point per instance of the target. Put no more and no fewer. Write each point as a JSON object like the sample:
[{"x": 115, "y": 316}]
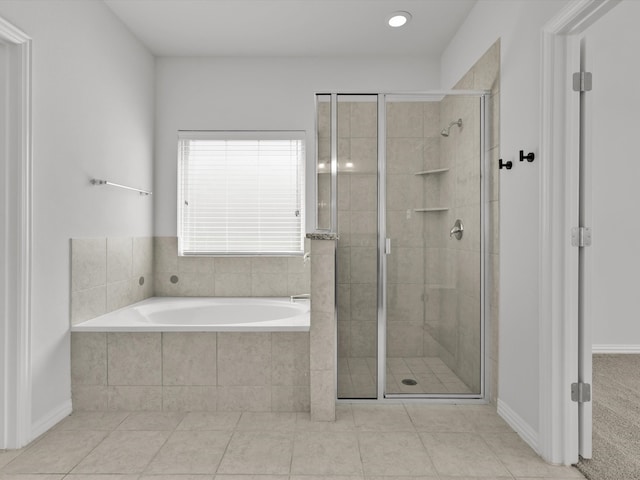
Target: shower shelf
[
  {"x": 438, "y": 209},
  {"x": 430, "y": 172}
]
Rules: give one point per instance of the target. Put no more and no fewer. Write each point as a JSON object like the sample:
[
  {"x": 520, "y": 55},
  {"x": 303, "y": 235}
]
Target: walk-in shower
[{"x": 400, "y": 191}]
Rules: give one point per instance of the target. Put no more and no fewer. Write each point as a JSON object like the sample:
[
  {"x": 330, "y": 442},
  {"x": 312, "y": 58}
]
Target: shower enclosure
[{"x": 400, "y": 180}]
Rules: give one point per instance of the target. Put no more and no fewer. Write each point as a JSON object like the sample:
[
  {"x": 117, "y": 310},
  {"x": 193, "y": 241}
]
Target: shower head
[{"x": 445, "y": 131}]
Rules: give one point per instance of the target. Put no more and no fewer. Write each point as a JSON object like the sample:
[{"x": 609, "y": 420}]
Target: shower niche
[{"x": 400, "y": 179}]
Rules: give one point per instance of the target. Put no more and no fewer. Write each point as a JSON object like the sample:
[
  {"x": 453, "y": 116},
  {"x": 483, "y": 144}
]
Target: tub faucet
[{"x": 300, "y": 296}]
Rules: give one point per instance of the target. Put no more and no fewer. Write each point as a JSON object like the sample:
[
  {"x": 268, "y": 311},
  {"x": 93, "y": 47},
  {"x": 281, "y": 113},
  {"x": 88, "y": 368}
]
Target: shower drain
[{"x": 409, "y": 381}]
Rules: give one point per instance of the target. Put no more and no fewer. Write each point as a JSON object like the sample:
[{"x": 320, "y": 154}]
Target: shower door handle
[{"x": 387, "y": 246}]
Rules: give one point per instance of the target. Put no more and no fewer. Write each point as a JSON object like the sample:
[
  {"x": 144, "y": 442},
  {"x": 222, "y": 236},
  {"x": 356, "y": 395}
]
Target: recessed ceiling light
[{"x": 398, "y": 19}]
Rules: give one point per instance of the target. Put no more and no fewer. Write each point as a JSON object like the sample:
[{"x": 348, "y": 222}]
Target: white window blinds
[{"x": 241, "y": 193}]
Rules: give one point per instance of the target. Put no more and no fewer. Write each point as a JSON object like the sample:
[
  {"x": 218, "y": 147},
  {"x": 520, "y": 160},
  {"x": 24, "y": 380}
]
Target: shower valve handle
[{"x": 457, "y": 230}]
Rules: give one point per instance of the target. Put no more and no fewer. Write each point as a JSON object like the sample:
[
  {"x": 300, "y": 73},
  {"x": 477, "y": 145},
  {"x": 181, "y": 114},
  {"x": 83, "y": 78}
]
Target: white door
[
  {"x": 610, "y": 195},
  {"x": 585, "y": 263}
]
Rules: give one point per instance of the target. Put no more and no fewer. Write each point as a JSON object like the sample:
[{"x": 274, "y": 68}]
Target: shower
[
  {"x": 445, "y": 131},
  {"x": 409, "y": 300}
]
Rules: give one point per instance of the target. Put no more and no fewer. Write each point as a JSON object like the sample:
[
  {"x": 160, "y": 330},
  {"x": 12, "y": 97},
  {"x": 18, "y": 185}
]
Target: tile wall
[
  {"x": 413, "y": 145},
  {"x": 453, "y": 300},
  {"x": 323, "y": 340},
  {"x": 227, "y": 276},
  {"x": 109, "y": 273},
  {"x": 190, "y": 371},
  {"x": 356, "y": 271}
]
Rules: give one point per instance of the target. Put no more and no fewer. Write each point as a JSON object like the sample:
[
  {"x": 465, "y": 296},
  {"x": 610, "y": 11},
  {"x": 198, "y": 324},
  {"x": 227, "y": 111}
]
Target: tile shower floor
[
  {"x": 433, "y": 442},
  {"x": 357, "y": 376}
]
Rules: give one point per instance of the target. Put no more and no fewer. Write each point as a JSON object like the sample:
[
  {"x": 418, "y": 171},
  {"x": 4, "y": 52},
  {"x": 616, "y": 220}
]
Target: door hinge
[
  {"x": 580, "y": 392},
  {"x": 580, "y": 237},
  {"x": 582, "y": 81}
]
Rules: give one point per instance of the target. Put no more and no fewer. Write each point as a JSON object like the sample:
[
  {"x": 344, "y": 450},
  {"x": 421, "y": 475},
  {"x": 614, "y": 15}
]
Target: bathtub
[{"x": 204, "y": 314}]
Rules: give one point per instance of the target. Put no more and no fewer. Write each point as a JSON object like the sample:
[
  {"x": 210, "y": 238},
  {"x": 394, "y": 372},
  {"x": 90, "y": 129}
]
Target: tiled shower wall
[
  {"x": 413, "y": 145},
  {"x": 358, "y": 227},
  {"x": 109, "y": 273},
  {"x": 452, "y": 314}
]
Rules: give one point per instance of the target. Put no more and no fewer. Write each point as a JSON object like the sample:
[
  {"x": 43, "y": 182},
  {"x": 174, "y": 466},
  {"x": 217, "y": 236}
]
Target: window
[{"x": 241, "y": 193}]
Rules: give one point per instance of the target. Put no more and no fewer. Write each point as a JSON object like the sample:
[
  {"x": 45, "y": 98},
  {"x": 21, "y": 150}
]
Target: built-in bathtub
[
  {"x": 194, "y": 354},
  {"x": 204, "y": 314}
]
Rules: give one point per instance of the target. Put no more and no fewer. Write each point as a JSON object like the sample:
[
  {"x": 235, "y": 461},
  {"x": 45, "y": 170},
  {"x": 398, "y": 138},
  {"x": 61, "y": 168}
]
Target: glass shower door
[{"x": 433, "y": 270}]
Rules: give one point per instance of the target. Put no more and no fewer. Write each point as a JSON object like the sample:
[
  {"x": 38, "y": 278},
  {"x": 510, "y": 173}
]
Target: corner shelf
[
  {"x": 431, "y": 172},
  {"x": 438, "y": 209}
]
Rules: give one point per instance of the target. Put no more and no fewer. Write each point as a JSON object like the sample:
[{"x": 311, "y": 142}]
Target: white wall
[
  {"x": 518, "y": 23},
  {"x": 611, "y": 46},
  {"x": 261, "y": 94},
  {"x": 93, "y": 107}
]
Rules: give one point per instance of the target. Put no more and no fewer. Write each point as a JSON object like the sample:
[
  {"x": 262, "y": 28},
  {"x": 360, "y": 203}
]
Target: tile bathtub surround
[
  {"x": 226, "y": 276},
  {"x": 190, "y": 371},
  {"x": 106, "y": 272},
  {"x": 420, "y": 442}
]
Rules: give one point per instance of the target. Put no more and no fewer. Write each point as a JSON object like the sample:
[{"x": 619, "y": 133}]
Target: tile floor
[
  {"x": 419, "y": 442},
  {"x": 357, "y": 376}
]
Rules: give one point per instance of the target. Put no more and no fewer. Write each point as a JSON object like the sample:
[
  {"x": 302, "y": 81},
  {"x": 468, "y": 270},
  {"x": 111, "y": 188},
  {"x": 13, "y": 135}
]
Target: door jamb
[
  {"x": 15, "y": 297},
  {"x": 558, "y": 298}
]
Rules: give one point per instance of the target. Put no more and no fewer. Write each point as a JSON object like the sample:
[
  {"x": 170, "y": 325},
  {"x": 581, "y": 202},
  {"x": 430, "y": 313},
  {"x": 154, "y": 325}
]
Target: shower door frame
[{"x": 381, "y": 99}]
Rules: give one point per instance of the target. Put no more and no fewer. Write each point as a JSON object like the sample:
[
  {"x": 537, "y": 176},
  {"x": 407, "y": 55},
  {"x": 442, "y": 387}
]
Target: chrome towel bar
[{"x": 95, "y": 181}]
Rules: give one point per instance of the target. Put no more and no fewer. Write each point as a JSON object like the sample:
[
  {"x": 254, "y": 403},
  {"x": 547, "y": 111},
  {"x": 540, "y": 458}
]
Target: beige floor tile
[
  {"x": 520, "y": 460},
  {"x": 267, "y": 422},
  {"x": 88, "y": 476},
  {"x": 28, "y": 476},
  {"x": 7, "y": 455},
  {"x": 546, "y": 478},
  {"x": 92, "y": 421},
  {"x": 344, "y": 421},
  {"x": 439, "y": 418},
  {"x": 402, "y": 477},
  {"x": 478, "y": 478},
  {"x": 175, "y": 477},
  {"x": 209, "y": 421},
  {"x": 56, "y": 452},
  {"x": 484, "y": 418},
  {"x": 326, "y": 477},
  {"x": 190, "y": 452},
  {"x": 462, "y": 454},
  {"x": 394, "y": 453},
  {"x": 258, "y": 453},
  {"x": 123, "y": 452},
  {"x": 326, "y": 453},
  {"x": 153, "y": 421},
  {"x": 252, "y": 477},
  {"x": 382, "y": 418}
]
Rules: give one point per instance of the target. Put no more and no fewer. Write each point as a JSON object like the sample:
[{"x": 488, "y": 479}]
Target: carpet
[{"x": 616, "y": 419}]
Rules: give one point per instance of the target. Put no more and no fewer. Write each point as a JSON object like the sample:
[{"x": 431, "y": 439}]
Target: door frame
[
  {"x": 559, "y": 439},
  {"x": 16, "y": 243}
]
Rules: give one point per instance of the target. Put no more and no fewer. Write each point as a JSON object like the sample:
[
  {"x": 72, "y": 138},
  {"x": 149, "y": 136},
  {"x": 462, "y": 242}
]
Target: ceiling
[{"x": 291, "y": 27}]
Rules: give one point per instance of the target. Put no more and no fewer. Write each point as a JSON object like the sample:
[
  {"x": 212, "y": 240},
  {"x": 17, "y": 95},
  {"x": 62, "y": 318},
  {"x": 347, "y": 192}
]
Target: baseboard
[
  {"x": 615, "y": 348},
  {"x": 515, "y": 421},
  {"x": 50, "y": 419}
]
